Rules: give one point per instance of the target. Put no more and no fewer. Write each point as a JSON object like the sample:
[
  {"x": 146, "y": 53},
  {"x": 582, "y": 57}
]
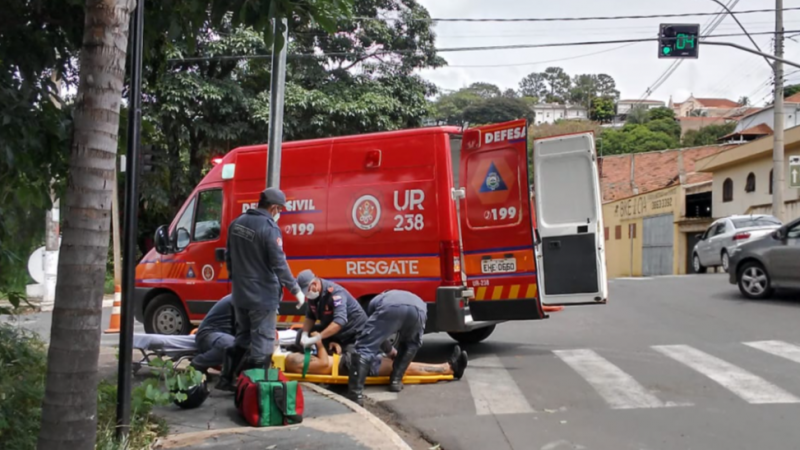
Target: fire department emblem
[
  {"x": 208, "y": 272},
  {"x": 366, "y": 212}
]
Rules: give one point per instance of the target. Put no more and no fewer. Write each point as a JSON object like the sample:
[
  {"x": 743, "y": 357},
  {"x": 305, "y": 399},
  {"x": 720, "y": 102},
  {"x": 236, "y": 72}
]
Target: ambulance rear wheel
[
  {"x": 165, "y": 315},
  {"x": 474, "y": 336}
]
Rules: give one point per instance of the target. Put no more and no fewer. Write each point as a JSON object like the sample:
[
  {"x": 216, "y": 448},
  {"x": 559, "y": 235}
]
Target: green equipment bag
[{"x": 265, "y": 398}]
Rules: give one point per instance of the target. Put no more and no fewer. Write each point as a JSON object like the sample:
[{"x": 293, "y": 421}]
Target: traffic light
[
  {"x": 678, "y": 40},
  {"x": 148, "y": 158}
]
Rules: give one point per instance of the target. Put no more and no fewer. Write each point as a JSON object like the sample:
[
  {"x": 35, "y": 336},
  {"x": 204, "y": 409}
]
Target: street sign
[
  {"x": 794, "y": 171},
  {"x": 678, "y": 40}
]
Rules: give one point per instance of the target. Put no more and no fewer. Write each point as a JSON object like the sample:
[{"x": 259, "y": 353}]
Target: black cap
[{"x": 273, "y": 196}]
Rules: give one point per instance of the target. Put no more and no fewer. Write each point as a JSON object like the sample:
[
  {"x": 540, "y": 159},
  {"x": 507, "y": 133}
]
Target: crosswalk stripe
[
  {"x": 746, "y": 385},
  {"x": 616, "y": 387},
  {"x": 777, "y": 348},
  {"x": 493, "y": 390}
]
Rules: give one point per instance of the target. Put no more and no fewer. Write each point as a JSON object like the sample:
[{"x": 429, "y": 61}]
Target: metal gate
[{"x": 657, "y": 245}]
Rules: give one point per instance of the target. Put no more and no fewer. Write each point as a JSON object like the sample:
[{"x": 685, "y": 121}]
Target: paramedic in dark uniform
[
  {"x": 259, "y": 272},
  {"x": 215, "y": 341},
  {"x": 390, "y": 312},
  {"x": 340, "y": 315}
]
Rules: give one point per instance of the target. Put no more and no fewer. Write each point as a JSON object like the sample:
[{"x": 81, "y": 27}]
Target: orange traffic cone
[{"x": 114, "y": 322}]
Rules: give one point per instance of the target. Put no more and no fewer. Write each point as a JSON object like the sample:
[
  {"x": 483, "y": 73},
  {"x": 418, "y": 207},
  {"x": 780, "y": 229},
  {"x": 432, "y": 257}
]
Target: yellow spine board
[{"x": 279, "y": 360}]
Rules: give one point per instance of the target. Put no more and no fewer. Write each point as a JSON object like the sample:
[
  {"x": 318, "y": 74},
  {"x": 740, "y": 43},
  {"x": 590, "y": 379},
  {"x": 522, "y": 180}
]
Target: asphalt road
[{"x": 669, "y": 363}]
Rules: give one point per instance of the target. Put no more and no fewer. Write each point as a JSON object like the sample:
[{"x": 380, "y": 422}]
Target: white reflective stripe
[
  {"x": 777, "y": 348},
  {"x": 616, "y": 387},
  {"x": 116, "y": 310},
  {"x": 748, "y": 386},
  {"x": 493, "y": 389}
]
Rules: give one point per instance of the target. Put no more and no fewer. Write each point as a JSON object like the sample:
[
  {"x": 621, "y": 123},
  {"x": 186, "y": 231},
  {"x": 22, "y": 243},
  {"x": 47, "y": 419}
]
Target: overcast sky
[{"x": 719, "y": 72}]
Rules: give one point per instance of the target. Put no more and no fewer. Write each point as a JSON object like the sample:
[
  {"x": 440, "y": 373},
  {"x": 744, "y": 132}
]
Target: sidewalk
[{"x": 330, "y": 422}]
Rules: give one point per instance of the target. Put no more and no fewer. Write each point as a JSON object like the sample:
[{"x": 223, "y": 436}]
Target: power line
[
  {"x": 573, "y": 19},
  {"x": 534, "y": 63},
  {"x": 455, "y": 49}
]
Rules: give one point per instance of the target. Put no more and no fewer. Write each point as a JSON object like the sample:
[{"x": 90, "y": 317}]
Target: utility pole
[
  {"x": 52, "y": 241},
  {"x": 277, "y": 88},
  {"x": 777, "y": 147}
]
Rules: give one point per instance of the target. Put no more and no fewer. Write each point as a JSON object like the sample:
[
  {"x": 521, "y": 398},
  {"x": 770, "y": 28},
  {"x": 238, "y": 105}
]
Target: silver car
[{"x": 725, "y": 235}]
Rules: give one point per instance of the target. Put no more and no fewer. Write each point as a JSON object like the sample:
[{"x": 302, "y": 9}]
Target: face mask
[
  {"x": 275, "y": 217},
  {"x": 312, "y": 295}
]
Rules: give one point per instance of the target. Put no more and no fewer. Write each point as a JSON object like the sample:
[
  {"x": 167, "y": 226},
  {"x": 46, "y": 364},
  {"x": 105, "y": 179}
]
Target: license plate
[{"x": 499, "y": 265}]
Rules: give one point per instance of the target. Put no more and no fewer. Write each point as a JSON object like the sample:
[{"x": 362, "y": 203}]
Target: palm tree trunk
[{"x": 69, "y": 409}]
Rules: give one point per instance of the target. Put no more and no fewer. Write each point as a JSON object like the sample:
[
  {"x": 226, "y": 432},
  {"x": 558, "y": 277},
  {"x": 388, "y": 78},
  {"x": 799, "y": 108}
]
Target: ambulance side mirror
[{"x": 161, "y": 240}]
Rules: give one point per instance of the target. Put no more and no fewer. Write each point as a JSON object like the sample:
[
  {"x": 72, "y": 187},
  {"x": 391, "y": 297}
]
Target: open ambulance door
[
  {"x": 496, "y": 225},
  {"x": 569, "y": 221}
]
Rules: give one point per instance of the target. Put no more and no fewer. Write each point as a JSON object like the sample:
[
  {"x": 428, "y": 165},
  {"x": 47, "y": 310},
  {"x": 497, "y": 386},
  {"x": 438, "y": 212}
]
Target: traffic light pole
[
  {"x": 276, "y": 100},
  {"x": 124, "y": 370}
]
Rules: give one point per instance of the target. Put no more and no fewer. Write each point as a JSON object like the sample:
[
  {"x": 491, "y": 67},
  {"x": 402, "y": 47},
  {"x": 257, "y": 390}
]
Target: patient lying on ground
[{"x": 322, "y": 363}]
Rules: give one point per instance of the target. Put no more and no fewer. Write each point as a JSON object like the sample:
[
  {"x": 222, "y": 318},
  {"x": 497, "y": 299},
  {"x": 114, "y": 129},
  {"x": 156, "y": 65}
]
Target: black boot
[
  {"x": 458, "y": 362},
  {"x": 399, "y": 367},
  {"x": 226, "y": 382},
  {"x": 358, "y": 371}
]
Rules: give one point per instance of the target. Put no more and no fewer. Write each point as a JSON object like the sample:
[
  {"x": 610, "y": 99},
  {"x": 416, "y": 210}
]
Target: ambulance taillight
[{"x": 450, "y": 261}]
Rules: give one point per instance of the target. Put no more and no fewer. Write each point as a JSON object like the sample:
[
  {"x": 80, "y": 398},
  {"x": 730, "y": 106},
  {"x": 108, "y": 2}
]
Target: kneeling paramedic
[
  {"x": 215, "y": 336},
  {"x": 259, "y": 272},
  {"x": 340, "y": 315},
  {"x": 390, "y": 312}
]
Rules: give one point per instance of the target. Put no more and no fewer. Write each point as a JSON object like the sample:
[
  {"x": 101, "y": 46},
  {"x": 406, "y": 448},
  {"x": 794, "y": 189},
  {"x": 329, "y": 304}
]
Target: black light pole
[{"x": 130, "y": 224}]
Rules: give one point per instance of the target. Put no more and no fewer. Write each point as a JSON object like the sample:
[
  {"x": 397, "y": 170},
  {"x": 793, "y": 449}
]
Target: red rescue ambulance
[{"x": 441, "y": 212}]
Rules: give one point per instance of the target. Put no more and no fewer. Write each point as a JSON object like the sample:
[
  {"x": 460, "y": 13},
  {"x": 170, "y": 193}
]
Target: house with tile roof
[
  {"x": 655, "y": 206},
  {"x": 766, "y": 116},
  {"x": 710, "y": 107}
]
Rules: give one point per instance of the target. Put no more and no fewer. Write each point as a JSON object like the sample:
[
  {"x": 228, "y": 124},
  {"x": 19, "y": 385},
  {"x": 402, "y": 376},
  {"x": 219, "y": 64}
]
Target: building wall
[
  {"x": 624, "y": 253},
  {"x": 625, "y": 107},
  {"x": 767, "y": 116},
  {"x": 551, "y": 113},
  {"x": 744, "y": 201}
]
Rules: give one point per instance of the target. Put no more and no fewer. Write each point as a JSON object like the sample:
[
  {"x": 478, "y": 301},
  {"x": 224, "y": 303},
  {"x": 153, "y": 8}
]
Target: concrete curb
[{"x": 395, "y": 438}]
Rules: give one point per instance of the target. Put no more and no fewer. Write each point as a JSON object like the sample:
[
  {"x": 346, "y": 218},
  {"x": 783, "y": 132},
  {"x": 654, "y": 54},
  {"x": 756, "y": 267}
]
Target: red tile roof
[
  {"x": 761, "y": 129},
  {"x": 793, "y": 98},
  {"x": 652, "y": 170},
  {"x": 717, "y": 103}
]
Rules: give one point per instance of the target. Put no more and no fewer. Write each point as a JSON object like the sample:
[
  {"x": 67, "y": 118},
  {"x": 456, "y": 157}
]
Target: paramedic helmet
[{"x": 195, "y": 395}]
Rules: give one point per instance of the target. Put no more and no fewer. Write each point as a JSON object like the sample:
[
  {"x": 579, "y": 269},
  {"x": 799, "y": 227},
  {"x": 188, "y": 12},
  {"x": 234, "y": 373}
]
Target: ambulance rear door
[
  {"x": 569, "y": 221},
  {"x": 495, "y": 224}
]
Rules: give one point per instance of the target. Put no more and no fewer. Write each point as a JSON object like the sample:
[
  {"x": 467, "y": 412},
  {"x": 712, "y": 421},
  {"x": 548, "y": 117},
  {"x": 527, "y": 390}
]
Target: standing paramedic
[
  {"x": 259, "y": 272},
  {"x": 390, "y": 312},
  {"x": 340, "y": 315}
]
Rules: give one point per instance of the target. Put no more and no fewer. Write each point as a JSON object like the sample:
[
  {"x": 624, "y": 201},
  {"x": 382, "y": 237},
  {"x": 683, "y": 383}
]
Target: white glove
[
  {"x": 308, "y": 341},
  {"x": 301, "y": 299}
]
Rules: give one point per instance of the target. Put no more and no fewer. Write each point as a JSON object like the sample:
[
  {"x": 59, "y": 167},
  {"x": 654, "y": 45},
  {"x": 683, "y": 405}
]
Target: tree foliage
[
  {"x": 360, "y": 79},
  {"x": 602, "y": 109},
  {"x": 497, "y": 109},
  {"x": 708, "y": 135},
  {"x": 634, "y": 138}
]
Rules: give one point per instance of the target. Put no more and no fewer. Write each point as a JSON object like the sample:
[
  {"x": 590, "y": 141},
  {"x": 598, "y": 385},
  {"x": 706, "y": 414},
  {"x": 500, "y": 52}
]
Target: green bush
[
  {"x": 23, "y": 367},
  {"x": 23, "y": 370}
]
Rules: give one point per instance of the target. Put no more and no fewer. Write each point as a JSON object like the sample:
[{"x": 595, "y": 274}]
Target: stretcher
[
  {"x": 180, "y": 348},
  {"x": 279, "y": 360}
]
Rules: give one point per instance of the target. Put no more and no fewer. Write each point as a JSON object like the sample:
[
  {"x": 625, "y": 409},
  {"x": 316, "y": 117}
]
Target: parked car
[
  {"x": 768, "y": 263},
  {"x": 725, "y": 235}
]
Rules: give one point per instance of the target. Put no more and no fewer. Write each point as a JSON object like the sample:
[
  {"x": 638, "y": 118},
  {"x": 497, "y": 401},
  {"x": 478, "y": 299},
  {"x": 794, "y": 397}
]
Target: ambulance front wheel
[
  {"x": 473, "y": 336},
  {"x": 165, "y": 315}
]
